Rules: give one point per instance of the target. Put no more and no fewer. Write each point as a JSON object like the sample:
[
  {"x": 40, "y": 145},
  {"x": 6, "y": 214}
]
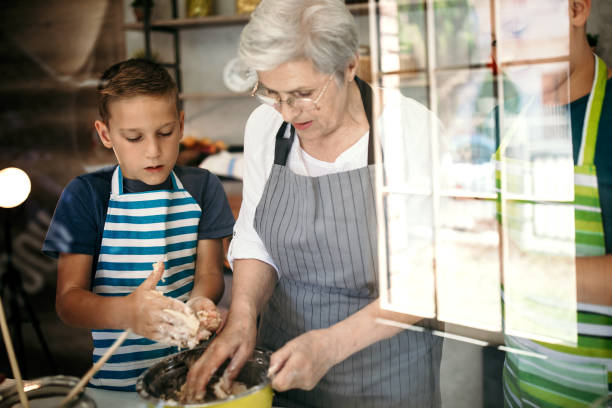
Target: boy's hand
[
  {"x": 208, "y": 315},
  {"x": 145, "y": 308}
]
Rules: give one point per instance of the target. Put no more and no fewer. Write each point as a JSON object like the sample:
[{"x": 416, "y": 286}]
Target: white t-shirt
[{"x": 405, "y": 136}]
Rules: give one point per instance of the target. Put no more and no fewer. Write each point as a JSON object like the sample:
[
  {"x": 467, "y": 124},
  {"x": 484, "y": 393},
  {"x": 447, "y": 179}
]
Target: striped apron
[
  {"x": 571, "y": 376},
  {"x": 321, "y": 233},
  {"x": 141, "y": 229}
]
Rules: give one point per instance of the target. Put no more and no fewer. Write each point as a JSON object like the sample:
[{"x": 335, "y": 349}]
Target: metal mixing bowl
[
  {"x": 46, "y": 392},
  {"x": 159, "y": 384}
]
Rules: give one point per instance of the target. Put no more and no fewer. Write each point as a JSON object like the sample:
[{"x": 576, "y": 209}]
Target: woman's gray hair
[{"x": 323, "y": 31}]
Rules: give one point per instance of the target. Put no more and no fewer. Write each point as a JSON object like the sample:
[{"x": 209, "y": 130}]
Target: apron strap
[
  {"x": 283, "y": 144},
  {"x": 593, "y": 114},
  {"x": 366, "y": 97},
  {"x": 117, "y": 182},
  {"x": 176, "y": 182}
]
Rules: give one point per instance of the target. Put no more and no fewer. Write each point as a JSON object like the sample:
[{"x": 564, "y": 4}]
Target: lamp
[{"x": 15, "y": 187}]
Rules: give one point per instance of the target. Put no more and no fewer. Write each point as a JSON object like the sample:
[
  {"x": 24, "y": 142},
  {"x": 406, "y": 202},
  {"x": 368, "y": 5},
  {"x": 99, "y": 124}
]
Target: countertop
[
  {"x": 103, "y": 398},
  {"x": 106, "y": 398}
]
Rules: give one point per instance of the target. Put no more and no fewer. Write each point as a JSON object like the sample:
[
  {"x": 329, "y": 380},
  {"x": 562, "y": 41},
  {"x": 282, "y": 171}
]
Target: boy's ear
[
  {"x": 579, "y": 12},
  {"x": 182, "y": 122},
  {"x": 103, "y": 133}
]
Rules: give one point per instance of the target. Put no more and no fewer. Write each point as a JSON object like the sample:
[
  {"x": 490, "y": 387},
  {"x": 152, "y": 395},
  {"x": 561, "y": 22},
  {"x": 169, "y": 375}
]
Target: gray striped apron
[
  {"x": 141, "y": 229},
  {"x": 321, "y": 233}
]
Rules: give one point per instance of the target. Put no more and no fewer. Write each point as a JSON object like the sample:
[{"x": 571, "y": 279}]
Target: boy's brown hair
[{"x": 134, "y": 77}]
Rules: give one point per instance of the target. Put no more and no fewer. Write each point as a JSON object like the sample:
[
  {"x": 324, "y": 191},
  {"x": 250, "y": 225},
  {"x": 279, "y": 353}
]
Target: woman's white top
[{"x": 406, "y": 128}]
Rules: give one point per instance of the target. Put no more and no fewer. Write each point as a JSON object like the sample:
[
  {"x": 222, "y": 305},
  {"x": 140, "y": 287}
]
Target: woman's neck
[{"x": 351, "y": 127}]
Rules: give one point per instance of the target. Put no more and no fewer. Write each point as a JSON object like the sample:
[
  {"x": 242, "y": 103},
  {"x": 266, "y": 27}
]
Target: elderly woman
[{"x": 304, "y": 246}]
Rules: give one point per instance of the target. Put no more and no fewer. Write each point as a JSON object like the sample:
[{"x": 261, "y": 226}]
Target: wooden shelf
[
  {"x": 213, "y": 96},
  {"x": 195, "y": 22},
  {"x": 359, "y": 8},
  {"x": 218, "y": 20}
]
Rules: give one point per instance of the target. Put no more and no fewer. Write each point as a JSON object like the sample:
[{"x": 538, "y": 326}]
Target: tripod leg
[
  {"x": 37, "y": 329},
  {"x": 15, "y": 319}
]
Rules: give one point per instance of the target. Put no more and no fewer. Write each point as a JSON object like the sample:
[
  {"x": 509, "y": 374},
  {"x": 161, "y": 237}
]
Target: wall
[
  {"x": 600, "y": 23},
  {"x": 53, "y": 51}
]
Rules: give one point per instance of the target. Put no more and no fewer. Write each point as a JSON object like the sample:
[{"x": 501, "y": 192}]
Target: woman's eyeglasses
[{"x": 304, "y": 104}]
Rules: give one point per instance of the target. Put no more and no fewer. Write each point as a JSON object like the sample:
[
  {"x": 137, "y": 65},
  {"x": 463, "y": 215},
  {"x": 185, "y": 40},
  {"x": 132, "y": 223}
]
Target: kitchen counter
[{"x": 104, "y": 398}]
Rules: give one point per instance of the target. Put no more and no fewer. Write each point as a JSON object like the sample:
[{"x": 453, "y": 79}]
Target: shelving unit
[
  {"x": 196, "y": 51},
  {"x": 195, "y": 22},
  {"x": 214, "y": 20},
  {"x": 221, "y": 95},
  {"x": 175, "y": 24}
]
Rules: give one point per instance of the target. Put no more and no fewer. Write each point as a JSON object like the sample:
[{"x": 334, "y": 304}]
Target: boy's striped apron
[
  {"x": 571, "y": 376},
  {"x": 321, "y": 233},
  {"x": 141, "y": 229}
]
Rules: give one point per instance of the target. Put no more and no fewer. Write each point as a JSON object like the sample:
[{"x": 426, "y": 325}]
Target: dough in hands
[
  {"x": 222, "y": 391},
  {"x": 184, "y": 329},
  {"x": 219, "y": 389}
]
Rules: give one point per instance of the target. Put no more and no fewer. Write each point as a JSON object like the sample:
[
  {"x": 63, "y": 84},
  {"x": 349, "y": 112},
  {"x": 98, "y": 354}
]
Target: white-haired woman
[{"x": 304, "y": 246}]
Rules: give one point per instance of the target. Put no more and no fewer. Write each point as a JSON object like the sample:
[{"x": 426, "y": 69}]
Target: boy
[
  {"x": 578, "y": 376},
  {"x": 111, "y": 226}
]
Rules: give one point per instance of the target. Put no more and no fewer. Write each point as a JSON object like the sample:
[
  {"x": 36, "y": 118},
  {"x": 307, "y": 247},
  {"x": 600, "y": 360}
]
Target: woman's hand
[
  {"x": 235, "y": 342},
  {"x": 303, "y": 361},
  {"x": 145, "y": 309}
]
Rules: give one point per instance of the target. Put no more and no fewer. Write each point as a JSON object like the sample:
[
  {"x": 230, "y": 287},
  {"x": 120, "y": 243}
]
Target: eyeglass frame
[{"x": 291, "y": 100}]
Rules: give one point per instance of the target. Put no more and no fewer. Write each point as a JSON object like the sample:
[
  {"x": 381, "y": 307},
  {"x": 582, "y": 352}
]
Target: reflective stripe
[
  {"x": 593, "y": 113},
  {"x": 586, "y": 180}
]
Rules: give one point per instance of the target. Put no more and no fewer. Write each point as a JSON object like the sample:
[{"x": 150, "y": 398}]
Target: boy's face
[{"x": 144, "y": 132}]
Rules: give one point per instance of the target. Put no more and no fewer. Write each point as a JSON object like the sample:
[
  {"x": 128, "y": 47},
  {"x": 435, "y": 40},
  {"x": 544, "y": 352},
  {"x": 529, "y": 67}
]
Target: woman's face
[{"x": 300, "y": 79}]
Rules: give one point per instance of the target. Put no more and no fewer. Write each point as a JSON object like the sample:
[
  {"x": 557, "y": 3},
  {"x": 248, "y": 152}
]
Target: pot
[
  {"x": 46, "y": 392},
  {"x": 159, "y": 383}
]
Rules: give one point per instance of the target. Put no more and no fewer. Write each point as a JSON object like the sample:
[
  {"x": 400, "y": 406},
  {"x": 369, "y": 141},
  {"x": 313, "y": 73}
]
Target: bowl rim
[
  {"x": 142, "y": 393},
  {"x": 61, "y": 380},
  {"x": 57, "y": 380}
]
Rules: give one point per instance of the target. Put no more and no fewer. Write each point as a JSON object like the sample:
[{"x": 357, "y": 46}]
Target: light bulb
[{"x": 15, "y": 187}]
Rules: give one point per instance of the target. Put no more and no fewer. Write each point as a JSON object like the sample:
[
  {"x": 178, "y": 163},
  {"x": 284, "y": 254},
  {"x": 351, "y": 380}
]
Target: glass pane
[
  {"x": 539, "y": 272},
  {"x": 499, "y": 142},
  {"x": 409, "y": 254},
  {"x": 412, "y": 35},
  {"x": 533, "y": 30},
  {"x": 467, "y": 111},
  {"x": 467, "y": 264},
  {"x": 535, "y": 175},
  {"x": 462, "y": 32},
  {"x": 536, "y": 141}
]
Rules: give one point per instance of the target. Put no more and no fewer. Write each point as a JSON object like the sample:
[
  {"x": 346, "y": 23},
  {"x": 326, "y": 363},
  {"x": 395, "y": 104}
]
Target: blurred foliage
[
  {"x": 455, "y": 30},
  {"x": 142, "y": 54},
  {"x": 592, "y": 39}
]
